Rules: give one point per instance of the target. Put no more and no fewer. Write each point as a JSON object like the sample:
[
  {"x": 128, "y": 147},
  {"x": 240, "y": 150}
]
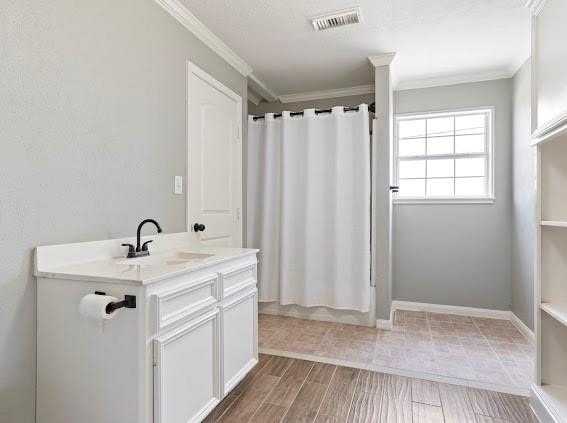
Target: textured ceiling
[{"x": 432, "y": 39}]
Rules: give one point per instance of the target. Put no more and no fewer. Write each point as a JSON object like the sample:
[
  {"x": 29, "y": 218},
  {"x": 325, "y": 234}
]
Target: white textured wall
[
  {"x": 524, "y": 229},
  {"x": 92, "y": 132},
  {"x": 458, "y": 254}
]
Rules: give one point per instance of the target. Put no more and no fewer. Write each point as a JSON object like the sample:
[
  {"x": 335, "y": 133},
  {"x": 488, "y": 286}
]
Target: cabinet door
[
  {"x": 186, "y": 378},
  {"x": 239, "y": 317}
]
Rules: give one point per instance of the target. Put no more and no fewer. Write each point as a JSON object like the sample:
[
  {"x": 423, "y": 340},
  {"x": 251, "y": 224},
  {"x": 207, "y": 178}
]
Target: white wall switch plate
[{"x": 178, "y": 188}]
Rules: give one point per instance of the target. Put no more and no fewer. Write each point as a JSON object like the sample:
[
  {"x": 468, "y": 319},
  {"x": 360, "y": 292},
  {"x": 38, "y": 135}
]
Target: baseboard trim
[
  {"x": 521, "y": 326},
  {"x": 400, "y": 372},
  {"x": 386, "y": 324},
  {"x": 463, "y": 311},
  {"x": 449, "y": 309}
]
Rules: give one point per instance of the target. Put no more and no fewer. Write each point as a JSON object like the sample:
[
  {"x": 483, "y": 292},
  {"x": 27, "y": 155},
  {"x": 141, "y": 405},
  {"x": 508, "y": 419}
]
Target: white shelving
[
  {"x": 552, "y": 179},
  {"x": 554, "y": 223},
  {"x": 549, "y": 120},
  {"x": 556, "y": 310},
  {"x": 551, "y": 132},
  {"x": 554, "y": 399}
]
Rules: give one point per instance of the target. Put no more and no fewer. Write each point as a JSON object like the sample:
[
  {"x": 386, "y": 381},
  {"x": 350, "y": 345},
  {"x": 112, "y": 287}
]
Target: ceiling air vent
[{"x": 336, "y": 19}]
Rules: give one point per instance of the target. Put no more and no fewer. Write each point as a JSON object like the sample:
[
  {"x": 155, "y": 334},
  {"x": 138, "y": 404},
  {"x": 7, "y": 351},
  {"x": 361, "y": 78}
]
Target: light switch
[{"x": 178, "y": 189}]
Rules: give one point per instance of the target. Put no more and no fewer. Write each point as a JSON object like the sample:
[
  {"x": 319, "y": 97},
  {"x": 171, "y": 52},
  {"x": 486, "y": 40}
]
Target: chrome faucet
[{"x": 141, "y": 250}]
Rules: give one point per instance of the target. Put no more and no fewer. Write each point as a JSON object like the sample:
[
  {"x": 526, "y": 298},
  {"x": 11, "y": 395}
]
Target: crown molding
[
  {"x": 405, "y": 85},
  {"x": 260, "y": 88},
  {"x": 317, "y": 95},
  {"x": 452, "y": 80},
  {"x": 382, "y": 59},
  {"x": 253, "y": 97},
  {"x": 200, "y": 30},
  {"x": 535, "y": 6}
]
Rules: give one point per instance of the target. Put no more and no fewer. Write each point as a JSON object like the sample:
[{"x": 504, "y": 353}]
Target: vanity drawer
[
  {"x": 237, "y": 278},
  {"x": 185, "y": 300}
]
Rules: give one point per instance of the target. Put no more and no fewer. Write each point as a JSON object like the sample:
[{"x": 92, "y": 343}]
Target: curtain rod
[{"x": 317, "y": 112}]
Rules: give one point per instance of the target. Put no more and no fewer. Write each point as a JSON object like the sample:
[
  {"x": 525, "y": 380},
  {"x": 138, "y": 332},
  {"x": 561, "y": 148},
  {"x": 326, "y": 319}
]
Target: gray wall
[
  {"x": 252, "y": 108},
  {"x": 92, "y": 132},
  {"x": 458, "y": 254},
  {"x": 524, "y": 201}
]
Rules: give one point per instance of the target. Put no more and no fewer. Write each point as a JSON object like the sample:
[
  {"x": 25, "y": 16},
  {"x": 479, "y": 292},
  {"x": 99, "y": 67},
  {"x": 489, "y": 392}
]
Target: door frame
[{"x": 193, "y": 69}]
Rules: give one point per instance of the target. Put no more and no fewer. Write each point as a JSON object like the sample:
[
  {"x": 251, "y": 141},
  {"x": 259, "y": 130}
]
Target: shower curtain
[{"x": 309, "y": 207}]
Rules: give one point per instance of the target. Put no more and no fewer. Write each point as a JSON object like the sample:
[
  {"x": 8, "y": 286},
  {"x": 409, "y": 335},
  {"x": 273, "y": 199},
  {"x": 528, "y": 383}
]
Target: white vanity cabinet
[
  {"x": 191, "y": 338},
  {"x": 207, "y": 341}
]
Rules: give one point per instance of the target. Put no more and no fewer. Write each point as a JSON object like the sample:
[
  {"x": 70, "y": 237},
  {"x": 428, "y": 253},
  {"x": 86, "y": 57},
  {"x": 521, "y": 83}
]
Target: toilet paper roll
[{"x": 94, "y": 306}]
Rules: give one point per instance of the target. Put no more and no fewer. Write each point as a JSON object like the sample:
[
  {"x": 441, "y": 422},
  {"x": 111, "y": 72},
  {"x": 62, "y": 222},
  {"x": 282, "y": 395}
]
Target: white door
[
  {"x": 186, "y": 384},
  {"x": 214, "y": 174}
]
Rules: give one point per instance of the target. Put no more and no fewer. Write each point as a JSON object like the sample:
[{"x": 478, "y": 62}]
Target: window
[{"x": 444, "y": 156}]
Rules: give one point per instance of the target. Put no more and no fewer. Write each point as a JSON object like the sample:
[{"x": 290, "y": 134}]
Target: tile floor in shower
[{"x": 472, "y": 351}]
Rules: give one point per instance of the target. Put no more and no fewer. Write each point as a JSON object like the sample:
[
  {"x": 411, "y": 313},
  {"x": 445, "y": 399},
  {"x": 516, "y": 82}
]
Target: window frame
[{"x": 490, "y": 196}]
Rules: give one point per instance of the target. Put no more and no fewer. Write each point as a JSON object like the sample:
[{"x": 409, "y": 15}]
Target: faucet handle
[
  {"x": 130, "y": 247},
  {"x": 145, "y": 245}
]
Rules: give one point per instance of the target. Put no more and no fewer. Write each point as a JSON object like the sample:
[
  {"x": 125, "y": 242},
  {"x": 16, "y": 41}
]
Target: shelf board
[
  {"x": 554, "y": 129},
  {"x": 556, "y": 310},
  {"x": 554, "y": 399},
  {"x": 555, "y": 223}
]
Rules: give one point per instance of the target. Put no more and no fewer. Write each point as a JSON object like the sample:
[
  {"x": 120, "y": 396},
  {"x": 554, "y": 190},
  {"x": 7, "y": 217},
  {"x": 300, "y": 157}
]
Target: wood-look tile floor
[
  {"x": 484, "y": 351},
  {"x": 281, "y": 389}
]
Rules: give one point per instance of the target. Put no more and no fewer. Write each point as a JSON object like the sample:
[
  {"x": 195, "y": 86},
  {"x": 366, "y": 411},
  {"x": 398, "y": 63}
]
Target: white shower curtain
[{"x": 309, "y": 207}]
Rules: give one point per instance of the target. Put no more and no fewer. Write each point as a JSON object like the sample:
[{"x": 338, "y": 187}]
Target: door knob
[{"x": 199, "y": 227}]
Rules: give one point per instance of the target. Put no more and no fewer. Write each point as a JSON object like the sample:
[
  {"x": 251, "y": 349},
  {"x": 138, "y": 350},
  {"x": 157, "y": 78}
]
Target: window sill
[{"x": 484, "y": 200}]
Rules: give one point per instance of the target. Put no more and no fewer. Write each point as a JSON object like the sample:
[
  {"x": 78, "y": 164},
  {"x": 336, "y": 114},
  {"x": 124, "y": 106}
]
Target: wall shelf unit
[
  {"x": 556, "y": 310},
  {"x": 554, "y": 223},
  {"x": 555, "y": 130},
  {"x": 549, "y": 136},
  {"x": 555, "y": 398}
]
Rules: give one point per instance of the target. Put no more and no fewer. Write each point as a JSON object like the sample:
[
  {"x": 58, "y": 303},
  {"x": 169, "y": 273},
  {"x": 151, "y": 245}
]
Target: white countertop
[{"x": 98, "y": 261}]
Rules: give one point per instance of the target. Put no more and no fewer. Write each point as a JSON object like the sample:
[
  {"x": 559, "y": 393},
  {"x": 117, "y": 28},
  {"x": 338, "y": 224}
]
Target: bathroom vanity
[{"x": 190, "y": 339}]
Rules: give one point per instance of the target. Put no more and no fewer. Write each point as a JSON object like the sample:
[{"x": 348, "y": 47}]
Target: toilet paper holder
[{"x": 129, "y": 301}]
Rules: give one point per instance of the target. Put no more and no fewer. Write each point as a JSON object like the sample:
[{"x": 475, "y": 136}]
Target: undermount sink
[{"x": 170, "y": 259}]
